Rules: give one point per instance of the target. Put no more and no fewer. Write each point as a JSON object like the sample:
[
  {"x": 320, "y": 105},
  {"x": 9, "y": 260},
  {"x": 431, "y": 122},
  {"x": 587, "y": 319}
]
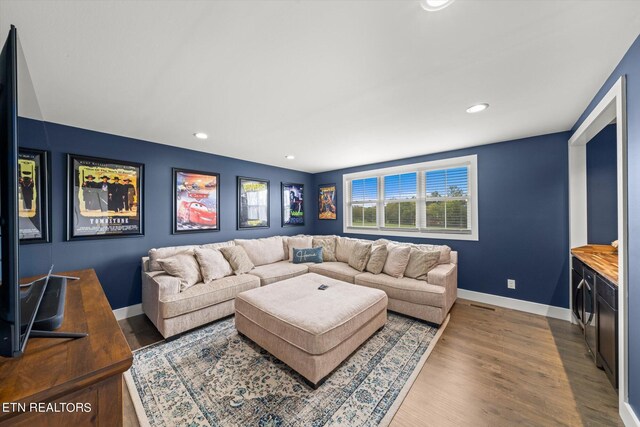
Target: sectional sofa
[{"x": 175, "y": 306}]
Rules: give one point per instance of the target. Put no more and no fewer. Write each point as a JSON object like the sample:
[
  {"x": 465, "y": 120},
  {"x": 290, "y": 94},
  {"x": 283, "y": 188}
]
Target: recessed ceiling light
[
  {"x": 289, "y": 157},
  {"x": 477, "y": 108},
  {"x": 433, "y": 5},
  {"x": 201, "y": 135}
]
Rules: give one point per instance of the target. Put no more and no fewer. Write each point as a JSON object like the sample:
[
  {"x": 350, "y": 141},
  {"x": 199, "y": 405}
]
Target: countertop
[{"x": 601, "y": 258}]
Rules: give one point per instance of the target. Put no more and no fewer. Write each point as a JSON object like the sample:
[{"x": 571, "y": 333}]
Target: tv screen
[{"x": 11, "y": 339}]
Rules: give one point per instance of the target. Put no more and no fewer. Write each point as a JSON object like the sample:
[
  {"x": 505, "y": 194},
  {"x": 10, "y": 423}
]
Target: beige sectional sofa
[{"x": 174, "y": 309}]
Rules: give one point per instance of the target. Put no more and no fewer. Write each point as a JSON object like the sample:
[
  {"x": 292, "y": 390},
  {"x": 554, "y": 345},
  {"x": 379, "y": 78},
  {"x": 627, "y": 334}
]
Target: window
[
  {"x": 364, "y": 198},
  {"x": 432, "y": 200},
  {"x": 400, "y": 197}
]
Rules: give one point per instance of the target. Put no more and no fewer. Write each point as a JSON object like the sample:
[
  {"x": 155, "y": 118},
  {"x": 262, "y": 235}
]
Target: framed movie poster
[
  {"x": 196, "y": 201},
  {"x": 33, "y": 196},
  {"x": 253, "y": 203},
  {"x": 292, "y": 204},
  {"x": 327, "y": 202},
  {"x": 105, "y": 198}
]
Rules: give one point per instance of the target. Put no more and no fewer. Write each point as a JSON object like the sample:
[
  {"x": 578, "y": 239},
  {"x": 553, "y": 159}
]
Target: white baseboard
[
  {"x": 130, "y": 311},
  {"x": 517, "y": 304},
  {"x": 629, "y": 418}
]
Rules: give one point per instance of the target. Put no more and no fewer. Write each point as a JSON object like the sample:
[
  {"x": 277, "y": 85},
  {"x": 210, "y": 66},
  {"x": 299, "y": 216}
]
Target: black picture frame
[
  {"x": 106, "y": 216},
  {"x": 39, "y": 227},
  {"x": 180, "y": 211},
  {"x": 243, "y": 220},
  {"x": 295, "y": 197},
  {"x": 323, "y": 190}
]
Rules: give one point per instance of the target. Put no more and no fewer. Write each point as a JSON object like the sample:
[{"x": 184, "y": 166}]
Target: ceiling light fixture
[
  {"x": 289, "y": 157},
  {"x": 434, "y": 5},
  {"x": 201, "y": 135},
  {"x": 477, "y": 108}
]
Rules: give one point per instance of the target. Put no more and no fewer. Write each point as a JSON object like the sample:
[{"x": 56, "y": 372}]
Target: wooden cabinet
[
  {"x": 58, "y": 372},
  {"x": 607, "y": 328}
]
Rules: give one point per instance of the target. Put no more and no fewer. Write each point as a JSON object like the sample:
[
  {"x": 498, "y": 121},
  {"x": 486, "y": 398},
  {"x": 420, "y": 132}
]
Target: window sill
[{"x": 473, "y": 236}]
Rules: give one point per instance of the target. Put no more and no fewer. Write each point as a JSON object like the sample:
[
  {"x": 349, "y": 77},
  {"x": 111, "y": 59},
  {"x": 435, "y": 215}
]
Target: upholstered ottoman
[{"x": 309, "y": 329}]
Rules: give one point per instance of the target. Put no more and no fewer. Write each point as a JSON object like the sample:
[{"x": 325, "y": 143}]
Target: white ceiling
[{"x": 336, "y": 83}]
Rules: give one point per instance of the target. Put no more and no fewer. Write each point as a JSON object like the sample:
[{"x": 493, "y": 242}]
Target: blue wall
[
  {"x": 523, "y": 218},
  {"x": 602, "y": 187},
  {"x": 630, "y": 66},
  {"x": 117, "y": 261}
]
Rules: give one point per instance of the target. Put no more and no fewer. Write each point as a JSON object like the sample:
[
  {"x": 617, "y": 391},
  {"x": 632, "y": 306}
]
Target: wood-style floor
[{"x": 491, "y": 367}]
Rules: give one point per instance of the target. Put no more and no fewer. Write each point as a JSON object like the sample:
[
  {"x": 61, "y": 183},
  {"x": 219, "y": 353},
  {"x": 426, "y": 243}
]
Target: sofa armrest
[
  {"x": 445, "y": 275},
  {"x": 145, "y": 264},
  {"x": 156, "y": 286}
]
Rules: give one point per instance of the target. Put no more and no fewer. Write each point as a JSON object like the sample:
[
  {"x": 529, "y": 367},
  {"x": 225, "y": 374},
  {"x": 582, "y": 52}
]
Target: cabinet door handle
[{"x": 582, "y": 282}]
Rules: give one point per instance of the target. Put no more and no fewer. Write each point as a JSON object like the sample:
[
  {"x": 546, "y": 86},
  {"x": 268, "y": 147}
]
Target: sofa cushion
[
  {"x": 159, "y": 253},
  {"x": 420, "y": 263},
  {"x": 183, "y": 266},
  {"x": 301, "y": 256},
  {"x": 238, "y": 259},
  {"x": 328, "y": 245},
  {"x": 397, "y": 260},
  {"x": 218, "y": 245},
  {"x": 213, "y": 264},
  {"x": 360, "y": 255},
  {"x": 312, "y": 320},
  {"x": 278, "y": 271},
  {"x": 377, "y": 259},
  {"x": 204, "y": 295},
  {"x": 445, "y": 251},
  {"x": 298, "y": 242},
  {"x": 263, "y": 251},
  {"x": 405, "y": 289},
  {"x": 344, "y": 247},
  {"x": 335, "y": 270}
]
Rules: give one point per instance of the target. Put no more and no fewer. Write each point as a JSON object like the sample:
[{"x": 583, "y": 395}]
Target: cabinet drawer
[
  {"x": 607, "y": 291},
  {"x": 577, "y": 265}
]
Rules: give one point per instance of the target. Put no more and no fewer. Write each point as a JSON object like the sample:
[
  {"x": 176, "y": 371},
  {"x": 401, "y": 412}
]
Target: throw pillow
[
  {"x": 377, "y": 259},
  {"x": 299, "y": 242},
  {"x": 328, "y": 245},
  {"x": 344, "y": 247},
  {"x": 397, "y": 260},
  {"x": 238, "y": 258},
  {"x": 307, "y": 255},
  {"x": 183, "y": 266},
  {"x": 213, "y": 265},
  {"x": 420, "y": 263},
  {"x": 263, "y": 251},
  {"x": 360, "y": 255}
]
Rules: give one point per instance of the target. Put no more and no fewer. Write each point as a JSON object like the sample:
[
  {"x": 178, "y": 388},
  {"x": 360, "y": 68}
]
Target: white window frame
[{"x": 420, "y": 231}]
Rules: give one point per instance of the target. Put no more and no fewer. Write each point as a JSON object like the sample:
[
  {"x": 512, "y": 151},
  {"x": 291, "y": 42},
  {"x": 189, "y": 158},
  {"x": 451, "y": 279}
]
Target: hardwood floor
[{"x": 492, "y": 366}]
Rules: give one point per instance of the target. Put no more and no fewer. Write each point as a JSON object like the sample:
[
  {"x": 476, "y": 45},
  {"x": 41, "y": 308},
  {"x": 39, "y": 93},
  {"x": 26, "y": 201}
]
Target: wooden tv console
[{"x": 67, "y": 382}]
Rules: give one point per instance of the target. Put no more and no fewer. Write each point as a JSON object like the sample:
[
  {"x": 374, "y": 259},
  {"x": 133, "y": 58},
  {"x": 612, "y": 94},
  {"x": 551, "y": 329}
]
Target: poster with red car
[{"x": 195, "y": 201}]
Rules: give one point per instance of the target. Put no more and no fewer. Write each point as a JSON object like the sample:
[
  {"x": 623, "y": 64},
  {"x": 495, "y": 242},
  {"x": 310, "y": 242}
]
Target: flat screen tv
[
  {"x": 32, "y": 309},
  {"x": 11, "y": 340}
]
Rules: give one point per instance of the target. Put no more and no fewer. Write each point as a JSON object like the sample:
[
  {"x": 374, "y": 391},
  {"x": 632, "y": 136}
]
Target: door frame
[{"x": 612, "y": 107}]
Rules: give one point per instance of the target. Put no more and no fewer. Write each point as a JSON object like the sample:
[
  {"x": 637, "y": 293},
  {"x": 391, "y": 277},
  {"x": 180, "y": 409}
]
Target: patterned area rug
[{"x": 214, "y": 377}]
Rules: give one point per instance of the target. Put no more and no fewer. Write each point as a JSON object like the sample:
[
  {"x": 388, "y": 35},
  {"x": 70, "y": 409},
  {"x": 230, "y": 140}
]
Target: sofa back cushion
[
  {"x": 346, "y": 245},
  {"x": 360, "y": 255},
  {"x": 328, "y": 245},
  {"x": 397, "y": 260},
  {"x": 218, "y": 245},
  {"x": 213, "y": 264},
  {"x": 183, "y": 266},
  {"x": 445, "y": 251},
  {"x": 307, "y": 255},
  {"x": 263, "y": 251},
  {"x": 298, "y": 242},
  {"x": 161, "y": 253},
  {"x": 238, "y": 259},
  {"x": 377, "y": 259},
  {"x": 420, "y": 263}
]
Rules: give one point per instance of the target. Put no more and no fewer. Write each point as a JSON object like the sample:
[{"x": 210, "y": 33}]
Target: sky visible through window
[
  {"x": 447, "y": 182},
  {"x": 364, "y": 189}
]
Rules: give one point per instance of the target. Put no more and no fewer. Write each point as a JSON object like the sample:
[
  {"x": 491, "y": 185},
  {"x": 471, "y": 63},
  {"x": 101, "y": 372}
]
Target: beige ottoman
[{"x": 311, "y": 330}]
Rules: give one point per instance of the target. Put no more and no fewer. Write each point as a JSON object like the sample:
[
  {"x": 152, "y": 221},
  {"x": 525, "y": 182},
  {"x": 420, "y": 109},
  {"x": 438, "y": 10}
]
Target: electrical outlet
[{"x": 511, "y": 284}]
